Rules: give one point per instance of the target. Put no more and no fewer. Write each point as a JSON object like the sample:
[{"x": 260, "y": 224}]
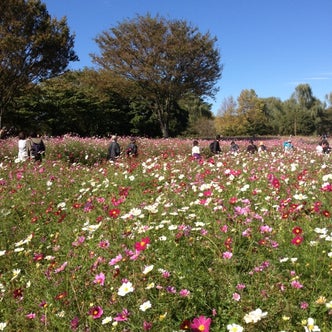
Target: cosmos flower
[
  {"x": 145, "y": 306},
  {"x": 114, "y": 213},
  {"x": 201, "y": 324},
  {"x": 297, "y": 240},
  {"x": 142, "y": 245},
  {"x": 95, "y": 312},
  {"x": 125, "y": 288},
  {"x": 234, "y": 328},
  {"x": 99, "y": 279},
  {"x": 254, "y": 316}
]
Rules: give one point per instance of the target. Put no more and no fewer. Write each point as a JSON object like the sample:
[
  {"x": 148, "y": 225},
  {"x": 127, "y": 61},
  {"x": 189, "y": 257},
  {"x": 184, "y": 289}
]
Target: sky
[{"x": 270, "y": 46}]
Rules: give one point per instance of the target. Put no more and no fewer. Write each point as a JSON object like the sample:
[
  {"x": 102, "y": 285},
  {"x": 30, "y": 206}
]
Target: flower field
[{"x": 163, "y": 242}]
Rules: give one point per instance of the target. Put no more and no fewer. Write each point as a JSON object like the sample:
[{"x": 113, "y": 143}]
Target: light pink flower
[{"x": 99, "y": 279}]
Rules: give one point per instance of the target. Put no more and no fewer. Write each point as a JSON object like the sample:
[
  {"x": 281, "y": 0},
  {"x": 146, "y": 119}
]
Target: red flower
[
  {"x": 275, "y": 183},
  {"x": 297, "y": 240},
  {"x": 61, "y": 296},
  {"x": 142, "y": 245},
  {"x": 232, "y": 200},
  {"x": 185, "y": 325},
  {"x": 326, "y": 213},
  {"x": 18, "y": 293},
  {"x": 114, "y": 213},
  {"x": 297, "y": 230}
]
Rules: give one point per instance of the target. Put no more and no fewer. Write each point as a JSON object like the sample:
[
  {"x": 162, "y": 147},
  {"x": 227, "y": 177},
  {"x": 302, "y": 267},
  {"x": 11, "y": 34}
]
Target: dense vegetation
[{"x": 163, "y": 242}]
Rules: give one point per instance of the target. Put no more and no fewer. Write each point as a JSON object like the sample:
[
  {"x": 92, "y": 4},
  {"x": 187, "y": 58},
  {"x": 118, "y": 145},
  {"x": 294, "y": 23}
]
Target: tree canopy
[
  {"x": 33, "y": 46},
  {"x": 165, "y": 59}
]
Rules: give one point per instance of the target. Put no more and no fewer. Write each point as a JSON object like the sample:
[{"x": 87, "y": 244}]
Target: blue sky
[{"x": 270, "y": 46}]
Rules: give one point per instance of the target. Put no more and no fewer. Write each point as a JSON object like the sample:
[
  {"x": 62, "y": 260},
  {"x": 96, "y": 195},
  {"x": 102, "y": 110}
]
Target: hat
[{"x": 114, "y": 137}]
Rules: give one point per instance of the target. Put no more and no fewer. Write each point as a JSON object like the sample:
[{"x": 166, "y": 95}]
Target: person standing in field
[
  {"x": 22, "y": 147},
  {"x": 114, "y": 149}
]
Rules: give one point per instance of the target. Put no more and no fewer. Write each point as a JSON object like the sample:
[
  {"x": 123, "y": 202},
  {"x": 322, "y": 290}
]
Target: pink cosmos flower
[
  {"x": 99, "y": 279},
  {"x": 104, "y": 244},
  {"x": 184, "y": 292},
  {"x": 236, "y": 297},
  {"x": 227, "y": 255},
  {"x": 201, "y": 324},
  {"x": 304, "y": 305},
  {"x": 61, "y": 268},
  {"x": 147, "y": 326},
  {"x": 122, "y": 316},
  {"x": 115, "y": 260},
  {"x": 31, "y": 315},
  {"x": 296, "y": 284},
  {"x": 95, "y": 312}
]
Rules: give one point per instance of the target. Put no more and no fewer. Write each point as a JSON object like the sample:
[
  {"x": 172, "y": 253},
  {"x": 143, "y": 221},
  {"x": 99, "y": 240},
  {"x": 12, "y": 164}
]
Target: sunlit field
[{"x": 163, "y": 242}]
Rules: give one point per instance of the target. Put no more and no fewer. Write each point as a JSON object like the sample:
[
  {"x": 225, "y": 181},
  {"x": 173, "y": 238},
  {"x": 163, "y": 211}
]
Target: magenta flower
[
  {"x": 201, "y": 324},
  {"x": 74, "y": 323},
  {"x": 31, "y": 315},
  {"x": 296, "y": 284},
  {"x": 99, "y": 279},
  {"x": 147, "y": 326},
  {"x": 95, "y": 312},
  {"x": 122, "y": 316},
  {"x": 184, "y": 292}
]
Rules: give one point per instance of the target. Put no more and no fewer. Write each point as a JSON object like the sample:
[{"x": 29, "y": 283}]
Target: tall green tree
[
  {"x": 33, "y": 46},
  {"x": 166, "y": 60}
]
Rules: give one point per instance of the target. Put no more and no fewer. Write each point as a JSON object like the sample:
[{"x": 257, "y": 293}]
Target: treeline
[
  {"x": 151, "y": 78},
  {"x": 301, "y": 114}
]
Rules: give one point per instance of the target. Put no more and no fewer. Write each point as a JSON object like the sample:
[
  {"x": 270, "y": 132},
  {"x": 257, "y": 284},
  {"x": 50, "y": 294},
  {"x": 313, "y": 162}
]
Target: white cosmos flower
[
  {"x": 126, "y": 287},
  {"x": 106, "y": 320},
  {"x": 234, "y": 328},
  {"x": 16, "y": 272},
  {"x": 254, "y": 316},
  {"x": 145, "y": 306},
  {"x": 148, "y": 269}
]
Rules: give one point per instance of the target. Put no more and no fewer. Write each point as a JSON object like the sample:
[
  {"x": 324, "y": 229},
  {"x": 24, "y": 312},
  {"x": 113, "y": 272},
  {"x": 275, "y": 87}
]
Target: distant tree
[
  {"x": 303, "y": 96},
  {"x": 33, "y": 46},
  {"x": 275, "y": 113},
  {"x": 251, "y": 112},
  {"x": 165, "y": 59},
  {"x": 227, "y": 121}
]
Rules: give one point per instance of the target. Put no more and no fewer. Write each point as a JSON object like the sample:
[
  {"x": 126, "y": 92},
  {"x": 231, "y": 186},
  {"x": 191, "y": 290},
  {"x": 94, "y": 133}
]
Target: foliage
[
  {"x": 33, "y": 47},
  {"x": 163, "y": 242},
  {"x": 302, "y": 114},
  {"x": 165, "y": 60}
]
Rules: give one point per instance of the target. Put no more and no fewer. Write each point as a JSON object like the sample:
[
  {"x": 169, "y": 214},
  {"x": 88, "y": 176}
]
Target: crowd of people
[
  {"x": 323, "y": 147},
  {"x": 32, "y": 147}
]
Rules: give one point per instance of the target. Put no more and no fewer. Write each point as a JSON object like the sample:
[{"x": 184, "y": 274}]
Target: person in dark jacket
[
  {"x": 113, "y": 149},
  {"x": 132, "y": 149},
  {"x": 215, "y": 146},
  {"x": 252, "y": 148},
  {"x": 35, "y": 147}
]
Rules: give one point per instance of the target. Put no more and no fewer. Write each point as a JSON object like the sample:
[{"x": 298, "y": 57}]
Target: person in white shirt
[
  {"x": 195, "y": 151},
  {"x": 319, "y": 148},
  {"x": 22, "y": 147}
]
